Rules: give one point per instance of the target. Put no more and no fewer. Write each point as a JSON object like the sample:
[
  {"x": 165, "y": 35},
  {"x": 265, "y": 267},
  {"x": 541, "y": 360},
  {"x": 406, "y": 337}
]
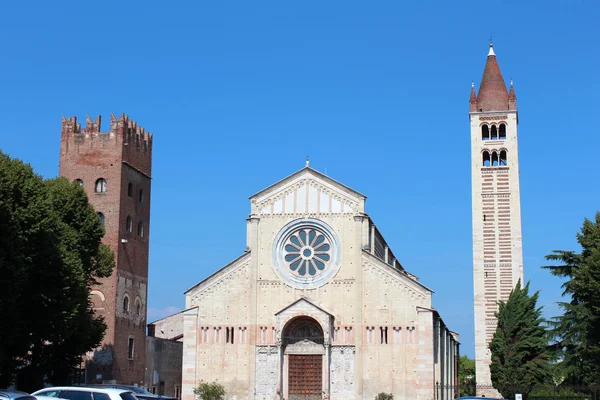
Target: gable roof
[
  {"x": 313, "y": 172},
  {"x": 302, "y": 299}
]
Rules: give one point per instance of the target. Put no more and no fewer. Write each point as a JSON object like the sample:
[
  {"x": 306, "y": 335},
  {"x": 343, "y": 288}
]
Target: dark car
[
  {"x": 140, "y": 393},
  {"x": 7, "y": 394}
]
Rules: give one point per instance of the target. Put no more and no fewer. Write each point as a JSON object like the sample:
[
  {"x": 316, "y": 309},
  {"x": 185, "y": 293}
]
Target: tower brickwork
[
  {"x": 114, "y": 168},
  {"x": 497, "y": 242}
]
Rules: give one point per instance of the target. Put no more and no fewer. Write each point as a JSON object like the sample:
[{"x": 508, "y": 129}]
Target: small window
[
  {"x": 128, "y": 224},
  {"x": 486, "y": 159},
  {"x": 494, "y": 159},
  {"x": 101, "y": 396},
  {"x": 503, "y": 158},
  {"x": 130, "y": 348},
  {"x": 494, "y": 132},
  {"x": 101, "y": 216},
  {"x": 141, "y": 196},
  {"x": 502, "y": 131},
  {"x": 138, "y": 308},
  {"x": 129, "y": 189},
  {"x": 126, "y": 304},
  {"x": 485, "y": 132},
  {"x": 79, "y": 182},
  {"x": 140, "y": 229},
  {"x": 101, "y": 185}
]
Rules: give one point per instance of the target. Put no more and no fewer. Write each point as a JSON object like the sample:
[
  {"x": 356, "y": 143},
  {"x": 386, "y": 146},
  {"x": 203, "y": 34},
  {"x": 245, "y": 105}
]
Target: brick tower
[
  {"x": 497, "y": 243},
  {"x": 114, "y": 168}
]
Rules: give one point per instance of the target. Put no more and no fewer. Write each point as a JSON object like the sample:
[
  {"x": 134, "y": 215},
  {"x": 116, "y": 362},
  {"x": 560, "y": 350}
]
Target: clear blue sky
[{"x": 238, "y": 93}]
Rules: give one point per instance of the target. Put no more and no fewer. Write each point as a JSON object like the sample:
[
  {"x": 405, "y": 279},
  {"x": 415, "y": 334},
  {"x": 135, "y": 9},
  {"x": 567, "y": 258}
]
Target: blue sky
[{"x": 238, "y": 93}]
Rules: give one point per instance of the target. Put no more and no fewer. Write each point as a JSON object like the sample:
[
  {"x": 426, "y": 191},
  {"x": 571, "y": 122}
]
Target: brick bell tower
[
  {"x": 114, "y": 168},
  {"x": 496, "y": 207}
]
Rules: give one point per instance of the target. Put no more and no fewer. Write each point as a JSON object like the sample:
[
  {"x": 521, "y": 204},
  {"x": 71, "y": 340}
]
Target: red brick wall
[{"x": 120, "y": 156}]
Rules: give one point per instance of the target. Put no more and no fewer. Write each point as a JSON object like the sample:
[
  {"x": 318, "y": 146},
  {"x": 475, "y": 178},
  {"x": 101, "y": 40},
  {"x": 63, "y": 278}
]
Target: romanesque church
[{"x": 317, "y": 306}]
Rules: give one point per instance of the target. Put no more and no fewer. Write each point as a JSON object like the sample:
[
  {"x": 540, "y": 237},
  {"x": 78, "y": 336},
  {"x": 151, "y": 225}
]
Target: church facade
[{"x": 317, "y": 306}]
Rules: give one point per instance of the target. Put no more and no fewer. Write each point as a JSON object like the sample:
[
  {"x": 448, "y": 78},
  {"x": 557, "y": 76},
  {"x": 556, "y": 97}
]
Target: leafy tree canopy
[
  {"x": 519, "y": 346},
  {"x": 466, "y": 376},
  {"x": 50, "y": 255},
  {"x": 577, "y": 331}
]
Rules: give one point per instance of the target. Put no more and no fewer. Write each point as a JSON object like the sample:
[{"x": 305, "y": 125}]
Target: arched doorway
[{"x": 303, "y": 343}]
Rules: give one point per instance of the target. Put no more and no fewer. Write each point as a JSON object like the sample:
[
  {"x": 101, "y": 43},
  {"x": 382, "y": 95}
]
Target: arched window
[
  {"x": 138, "y": 307},
  {"x": 141, "y": 196},
  {"x": 101, "y": 216},
  {"x": 494, "y": 159},
  {"x": 494, "y": 132},
  {"x": 101, "y": 185},
  {"x": 486, "y": 158},
  {"x": 485, "y": 132},
  {"x": 140, "y": 229},
  {"x": 502, "y": 131},
  {"x": 126, "y": 304},
  {"x": 128, "y": 224},
  {"x": 79, "y": 182},
  {"x": 503, "y": 158},
  {"x": 130, "y": 189}
]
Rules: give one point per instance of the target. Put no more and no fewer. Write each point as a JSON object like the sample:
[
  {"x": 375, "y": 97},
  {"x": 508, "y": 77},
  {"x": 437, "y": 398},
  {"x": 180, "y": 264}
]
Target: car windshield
[{"x": 139, "y": 390}]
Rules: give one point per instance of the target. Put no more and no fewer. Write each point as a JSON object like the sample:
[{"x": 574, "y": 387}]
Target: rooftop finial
[
  {"x": 472, "y": 84},
  {"x": 307, "y": 162},
  {"x": 491, "y": 52}
]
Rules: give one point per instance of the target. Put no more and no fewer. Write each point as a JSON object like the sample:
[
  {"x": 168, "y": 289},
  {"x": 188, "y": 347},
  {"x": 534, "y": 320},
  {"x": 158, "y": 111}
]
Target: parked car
[
  {"x": 85, "y": 393},
  {"x": 140, "y": 393},
  {"x": 8, "y": 394}
]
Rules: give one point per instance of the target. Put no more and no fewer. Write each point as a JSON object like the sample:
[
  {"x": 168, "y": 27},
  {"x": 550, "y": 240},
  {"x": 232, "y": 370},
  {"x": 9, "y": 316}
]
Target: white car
[{"x": 85, "y": 393}]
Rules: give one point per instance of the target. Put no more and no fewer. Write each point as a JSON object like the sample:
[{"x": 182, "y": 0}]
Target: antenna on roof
[{"x": 307, "y": 162}]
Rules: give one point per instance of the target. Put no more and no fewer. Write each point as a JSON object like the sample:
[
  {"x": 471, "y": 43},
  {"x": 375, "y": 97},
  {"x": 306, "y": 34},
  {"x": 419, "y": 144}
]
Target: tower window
[
  {"x": 101, "y": 216},
  {"x": 141, "y": 196},
  {"x": 140, "y": 229},
  {"x": 128, "y": 224},
  {"x": 130, "y": 348},
  {"x": 129, "y": 189},
  {"x": 486, "y": 158},
  {"x": 138, "y": 307},
  {"x": 79, "y": 182},
  {"x": 126, "y": 304},
  {"x": 494, "y": 159},
  {"x": 494, "y": 132},
  {"x": 485, "y": 132},
  {"x": 503, "y": 158},
  {"x": 502, "y": 131},
  {"x": 101, "y": 185}
]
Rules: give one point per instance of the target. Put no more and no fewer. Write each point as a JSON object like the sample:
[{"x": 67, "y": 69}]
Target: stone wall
[{"x": 163, "y": 366}]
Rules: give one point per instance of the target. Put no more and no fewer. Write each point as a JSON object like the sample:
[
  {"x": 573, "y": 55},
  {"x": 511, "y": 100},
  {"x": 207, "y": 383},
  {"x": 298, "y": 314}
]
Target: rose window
[{"x": 307, "y": 252}]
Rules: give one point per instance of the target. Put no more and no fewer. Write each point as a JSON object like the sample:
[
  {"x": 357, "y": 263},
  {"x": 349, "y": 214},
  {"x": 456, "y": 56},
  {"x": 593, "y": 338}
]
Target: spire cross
[{"x": 491, "y": 43}]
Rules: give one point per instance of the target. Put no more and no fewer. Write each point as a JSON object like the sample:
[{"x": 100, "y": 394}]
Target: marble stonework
[{"x": 317, "y": 279}]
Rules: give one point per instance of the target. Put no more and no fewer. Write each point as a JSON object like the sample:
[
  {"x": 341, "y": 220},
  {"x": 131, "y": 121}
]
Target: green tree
[
  {"x": 466, "y": 376},
  {"x": 210, "y": 391},
  {"x": 50, "y": 255},
  {"x": 577, "y": 331},
  {"x": 519, "y": 346}
]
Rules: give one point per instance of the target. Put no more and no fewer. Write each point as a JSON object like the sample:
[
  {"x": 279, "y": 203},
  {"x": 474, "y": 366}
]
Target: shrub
[
  {"x": 210, "y": 391},
  {"x": 384, "y": 396}
]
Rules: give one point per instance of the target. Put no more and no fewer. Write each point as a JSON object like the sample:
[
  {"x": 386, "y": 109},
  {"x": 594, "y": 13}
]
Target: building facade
[
  {"x": 496, "y": 207},
  {"x": 114, "y": 169},
  {"x": 318, "y": 306},
  {"x": 164, "y": 353}
]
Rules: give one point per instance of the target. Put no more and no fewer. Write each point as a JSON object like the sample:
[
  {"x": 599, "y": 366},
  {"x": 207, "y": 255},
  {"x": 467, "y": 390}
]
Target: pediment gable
[
  {"x": 307, "y": 192},
  {"x": 304, "y": 305}
]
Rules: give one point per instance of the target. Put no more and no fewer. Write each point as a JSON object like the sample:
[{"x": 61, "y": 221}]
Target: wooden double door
[{"x": 305, "y": 377}]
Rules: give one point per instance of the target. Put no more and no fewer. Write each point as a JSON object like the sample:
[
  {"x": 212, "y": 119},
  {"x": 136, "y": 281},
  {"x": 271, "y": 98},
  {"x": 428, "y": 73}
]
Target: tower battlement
[{"x": 124, "y": 137}]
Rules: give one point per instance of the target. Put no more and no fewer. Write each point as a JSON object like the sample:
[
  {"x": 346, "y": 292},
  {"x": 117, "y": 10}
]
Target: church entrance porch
[
  {"x": 303, "y": 352},
  {"x": 305, "y": 377}
]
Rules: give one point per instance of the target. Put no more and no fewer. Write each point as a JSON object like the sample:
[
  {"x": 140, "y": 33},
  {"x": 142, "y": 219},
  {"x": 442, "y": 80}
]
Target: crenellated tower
[
  {"x": 496, "y": 207},
  {"x": 114, "y": 169}
]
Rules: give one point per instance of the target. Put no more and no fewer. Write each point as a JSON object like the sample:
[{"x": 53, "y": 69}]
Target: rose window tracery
[{"x": 307, "y": 252}]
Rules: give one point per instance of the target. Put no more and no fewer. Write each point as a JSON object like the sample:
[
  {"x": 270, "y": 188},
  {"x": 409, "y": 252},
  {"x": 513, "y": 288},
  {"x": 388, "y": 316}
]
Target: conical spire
[
  {"x": 493, "y": 95},
  {"x": 473, "y": 98},
  {"x": 512, "y": 97}
]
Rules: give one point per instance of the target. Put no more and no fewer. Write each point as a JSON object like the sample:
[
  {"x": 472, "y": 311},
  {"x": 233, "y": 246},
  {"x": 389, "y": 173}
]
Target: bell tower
[{"x": 496, "y": 207}]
